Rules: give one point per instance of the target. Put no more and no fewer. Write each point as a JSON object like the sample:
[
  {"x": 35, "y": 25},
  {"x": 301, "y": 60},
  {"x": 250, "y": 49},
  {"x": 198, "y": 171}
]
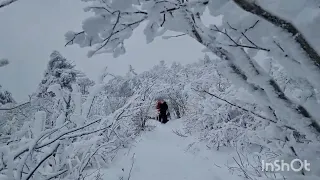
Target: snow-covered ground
[{"x": 161, "y": 154}]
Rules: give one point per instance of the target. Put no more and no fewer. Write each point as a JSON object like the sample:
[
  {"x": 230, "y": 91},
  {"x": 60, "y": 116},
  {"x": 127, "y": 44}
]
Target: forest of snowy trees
[{"x": 256, "y": 89}]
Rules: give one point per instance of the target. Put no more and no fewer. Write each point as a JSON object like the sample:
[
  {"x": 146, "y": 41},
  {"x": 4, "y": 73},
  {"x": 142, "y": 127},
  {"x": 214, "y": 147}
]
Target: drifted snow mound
[{"x": 163, "y": 155}]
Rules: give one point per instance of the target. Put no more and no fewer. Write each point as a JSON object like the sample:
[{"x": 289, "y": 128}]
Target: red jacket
[{"x": 158, "y": 105}]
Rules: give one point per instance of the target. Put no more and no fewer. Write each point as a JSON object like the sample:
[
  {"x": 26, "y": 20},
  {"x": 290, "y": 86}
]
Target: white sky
[{"x": 31, "y": 29}]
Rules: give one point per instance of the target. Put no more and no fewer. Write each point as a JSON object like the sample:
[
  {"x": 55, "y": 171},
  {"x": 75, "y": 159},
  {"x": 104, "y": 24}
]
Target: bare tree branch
[
  {"x": 91, "y": 106},
  {"x": 71, "y": 41},
  {"x": 164, "y": 19},
  {"x": 246, "y": 30}
]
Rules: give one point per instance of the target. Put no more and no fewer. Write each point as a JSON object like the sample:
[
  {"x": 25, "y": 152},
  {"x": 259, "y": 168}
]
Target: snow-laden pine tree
[
  {"x": 5, "y": 96},
  {"x": 6, "y": 103},
  {"x": 59, "y": 71},
  {"x": 4, "y": 62}
]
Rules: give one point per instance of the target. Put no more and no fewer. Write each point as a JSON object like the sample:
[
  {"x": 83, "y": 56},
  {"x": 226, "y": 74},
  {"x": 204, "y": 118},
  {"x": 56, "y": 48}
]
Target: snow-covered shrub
[{"x": 76, "y": 142}]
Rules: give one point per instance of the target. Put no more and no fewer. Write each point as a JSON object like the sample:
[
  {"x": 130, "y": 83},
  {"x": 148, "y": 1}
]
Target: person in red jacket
[{"x": 162, "y": 108}]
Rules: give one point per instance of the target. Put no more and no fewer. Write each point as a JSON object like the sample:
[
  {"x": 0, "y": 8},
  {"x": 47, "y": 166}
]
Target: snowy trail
[{"x": 163, "y": 155}]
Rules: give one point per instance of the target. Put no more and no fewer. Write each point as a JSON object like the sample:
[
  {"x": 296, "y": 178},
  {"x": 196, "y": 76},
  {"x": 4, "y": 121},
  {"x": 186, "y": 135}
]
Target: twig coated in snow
[
  {"x": 7, "y": 3},
  {"x": 246, "y": 110},
  {"x": 44, "y": 159},
  {"x": 8, "y": 109},
  {"x": 260, "y": 116},
  {"x": 216, "y": 165},
  {"x": 131, "y": 166},
  {"x": 235, "y": 42},
  {"x": 168, "y": 37},
  {"x": 56, "y": 174},
  {"x": 179, "y": 133}
]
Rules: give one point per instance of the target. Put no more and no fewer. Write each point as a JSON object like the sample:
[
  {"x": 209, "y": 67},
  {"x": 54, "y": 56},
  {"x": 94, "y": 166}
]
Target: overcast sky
[{"x": 31, "y": 29}]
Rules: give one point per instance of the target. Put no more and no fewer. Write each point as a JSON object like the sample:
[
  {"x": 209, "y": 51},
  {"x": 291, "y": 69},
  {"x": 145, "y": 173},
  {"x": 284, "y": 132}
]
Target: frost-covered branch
[
  {"x": 54, "y": 175},
  {"x": 57, "y": 137},
  {"x": 73, "y": 38},
  {"x": 270, "y": 89},
  {"x": 132, "y": 164},
  {"x": 44, "y": 159},
  {"x": 118, "y": 26},
  {"x": 168, "y": 37},
  {"x": 4, "y": 3},
  {"x": 15, "y": 107},
  {"x": 179, "y": 133},
  {"x": 61, "y": 135},
  {"x": 258, "y": 115},
  {"x": 244, "y": 109},
  {"x": 297, "y": 36},
  {"x": 86, "y": 132},
  {"x": 236, "y": 42}
]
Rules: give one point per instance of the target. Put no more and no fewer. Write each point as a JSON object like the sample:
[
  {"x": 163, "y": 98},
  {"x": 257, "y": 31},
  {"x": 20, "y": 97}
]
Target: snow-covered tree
[
  {"x": 4, "y": 62},
  {"x": 281, "y": 31},
  {"x": 85, "y": 83},
  {"x": 7, "y": 102},
  {"x": 73, "y": 144},
  {"x": 59, "y": 71},
  {"x": 5, "y": 97}
]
